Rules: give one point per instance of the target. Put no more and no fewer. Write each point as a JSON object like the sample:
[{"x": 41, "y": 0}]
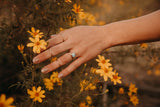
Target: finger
[
  {"x": 58, "y": 38},
  {"x": 55, "y": 39},
  {"x": 71, "y": 67},
  {"x": 52, "y": 36},
  {"x": 56, "y": 64},
  {"x": 51, "y": 52}
]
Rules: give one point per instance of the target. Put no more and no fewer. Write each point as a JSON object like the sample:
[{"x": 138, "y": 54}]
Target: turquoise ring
[{"x": 73, "y": 55}]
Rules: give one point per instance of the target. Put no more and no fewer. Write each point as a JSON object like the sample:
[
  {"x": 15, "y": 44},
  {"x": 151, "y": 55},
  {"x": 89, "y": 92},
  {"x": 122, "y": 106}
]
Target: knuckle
[
  {"x": 60, "y": 61},
  {"x": 51, "y": 52},
  {"x": 63, "y": 60}
]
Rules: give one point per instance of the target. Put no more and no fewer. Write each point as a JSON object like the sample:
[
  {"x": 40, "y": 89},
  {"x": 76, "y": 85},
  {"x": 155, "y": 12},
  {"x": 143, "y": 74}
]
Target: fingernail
[
  {"x": 35, "y": 60},
  {"x": 60, "y": 75},
  {"x": 44, "y": 70}
]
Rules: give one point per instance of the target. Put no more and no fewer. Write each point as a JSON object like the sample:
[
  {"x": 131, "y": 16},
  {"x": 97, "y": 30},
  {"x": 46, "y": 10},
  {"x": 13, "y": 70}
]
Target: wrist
[{"x": 112, "y": 34}]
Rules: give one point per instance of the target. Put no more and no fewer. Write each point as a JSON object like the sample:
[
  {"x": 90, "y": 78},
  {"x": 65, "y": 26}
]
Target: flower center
[
  {"x": 2, "y": 104},
  {"x": 103, "y": 61},
  {"x": 115, "y": 77},
  {"x": 106, "y": 70},
  {"x": 36, "y": 94},
  {"x": 35, "y": 33},
  {"x": 134, "y": 100},
  {"x": 37, "y": 43},
  {"x": 77, "y": 10}
]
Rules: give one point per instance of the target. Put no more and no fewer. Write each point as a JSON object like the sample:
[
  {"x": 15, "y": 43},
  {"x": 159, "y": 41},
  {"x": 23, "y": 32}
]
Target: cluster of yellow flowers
[
  {"x": 133, "y": 94},
  {"x": 36, "y": 94},
  {"x": 88, "y": 102},
  {"x": 106, "y": 70},
  {"x": 49, "y": 83},
  {"x": 6, "y": 102},
  {"x": 154, "y": 63},
  {"x": 83, "y": 17},
  {"x": 86, "y": 85},
  {"x": 36, "y": 42}
]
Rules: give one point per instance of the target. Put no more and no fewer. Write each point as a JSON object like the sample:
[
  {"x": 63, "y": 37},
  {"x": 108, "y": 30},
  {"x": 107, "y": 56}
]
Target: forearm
[{"x": 142, "y": 29}]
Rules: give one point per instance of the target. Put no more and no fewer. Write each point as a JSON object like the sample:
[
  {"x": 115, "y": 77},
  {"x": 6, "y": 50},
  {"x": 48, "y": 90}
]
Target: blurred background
[{"x": 139, "y": 64}]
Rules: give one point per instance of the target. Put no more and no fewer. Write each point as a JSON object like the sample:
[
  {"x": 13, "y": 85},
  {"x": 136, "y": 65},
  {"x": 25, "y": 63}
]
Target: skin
[{"x": 89, "y": 41}]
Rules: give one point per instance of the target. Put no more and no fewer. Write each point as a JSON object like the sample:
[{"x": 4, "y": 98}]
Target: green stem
[{"x": 25, "y": 58}]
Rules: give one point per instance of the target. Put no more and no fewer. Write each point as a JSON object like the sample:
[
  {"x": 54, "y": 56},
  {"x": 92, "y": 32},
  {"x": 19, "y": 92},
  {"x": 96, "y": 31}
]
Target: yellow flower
[
  {"x": 53, "y": 59},
  {"x": 121, "y": 91},
  {"x": 143, "y": 45},
  {"x": 132, "y": 88},
  {"x": 82, "y": 15},
  {"x": 121, "y": 2},
  {"x": 83, "y": 104},
  {"x": 157, "y": 72},
  {"x": 6, "y": 102},
  {"x": 61, "y": 29},
  {"x": 149, "y": 72},
  {"x": 93, "y": 70},
  {"x": 68, "y": 1},
  {"x": 48, "y": 83},
  {"x": 134, "y": 100},
  {"x": 105, "y": 72},
  {"x": 90, "y": 87},
  {"x": 35, "y": 33},
  {"x": 54, "y": 78},
  {"x": 85, "y": 85},
  {"x": 91, "y": 18},
  {"x": 89, "y": 100},
  {"x": 72, "y": 22},
  {"x": 129, "y": 93},
  {"x": 21, "y": 48},
  {"x": 116, "y": 78},
  {"x": 103, "y": 62},
  {"x": 37, "y": 44},
  {"x": 106, "y": 91},
  {"x": 76, "y": 8},
  {"x": 36, "y": 94}
]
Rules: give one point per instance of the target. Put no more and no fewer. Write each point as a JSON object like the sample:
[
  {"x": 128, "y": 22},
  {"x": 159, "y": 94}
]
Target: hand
[{"x": 85, "y": 41}]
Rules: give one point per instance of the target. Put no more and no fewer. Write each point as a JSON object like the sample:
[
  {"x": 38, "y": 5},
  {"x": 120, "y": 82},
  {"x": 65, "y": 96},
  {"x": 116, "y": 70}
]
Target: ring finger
[{"x": 67, "y": 57}]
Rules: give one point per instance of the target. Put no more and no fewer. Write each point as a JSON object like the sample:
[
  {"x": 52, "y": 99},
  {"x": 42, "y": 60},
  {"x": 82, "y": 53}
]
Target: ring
[{"x": 73, "y": 55}]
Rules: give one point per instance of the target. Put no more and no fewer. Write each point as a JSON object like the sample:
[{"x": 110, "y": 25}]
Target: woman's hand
[
  {"x": 88, "y": 41},
  {"x": 85, "y": 41}
]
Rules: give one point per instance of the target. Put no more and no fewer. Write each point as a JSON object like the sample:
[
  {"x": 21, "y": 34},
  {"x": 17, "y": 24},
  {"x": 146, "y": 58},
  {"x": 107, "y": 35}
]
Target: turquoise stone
[{"x": 73, "y": 55}]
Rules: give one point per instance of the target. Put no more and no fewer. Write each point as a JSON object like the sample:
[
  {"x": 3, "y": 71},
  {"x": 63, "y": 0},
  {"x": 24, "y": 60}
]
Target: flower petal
[
  {"x": 3, "y": 97},
  {"x": 30, "y": 44},
  {"x": 39, "y": 89},
  {"x": 34, "y": 89},
  {"x": 33, "y": 30},
  {"x": 31, "y": 39},
  {"x": 39, "y": 99},
  {"x": 9, "y": 101}
]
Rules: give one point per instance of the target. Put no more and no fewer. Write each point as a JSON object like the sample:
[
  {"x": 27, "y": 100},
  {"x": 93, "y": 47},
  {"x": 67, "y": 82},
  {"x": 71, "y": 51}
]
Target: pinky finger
[{"x": 71, "y": 67}]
